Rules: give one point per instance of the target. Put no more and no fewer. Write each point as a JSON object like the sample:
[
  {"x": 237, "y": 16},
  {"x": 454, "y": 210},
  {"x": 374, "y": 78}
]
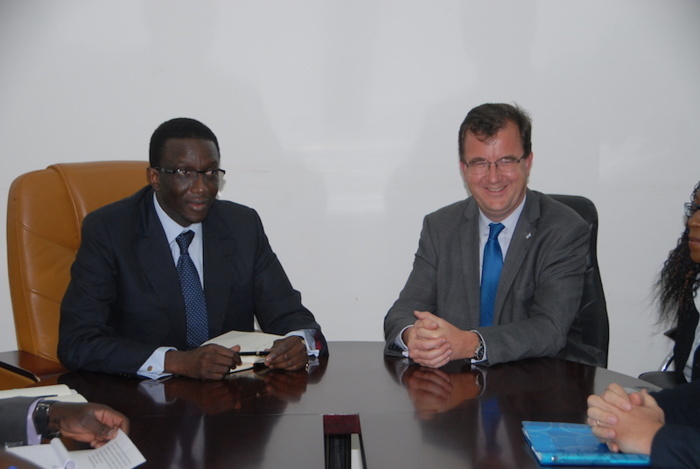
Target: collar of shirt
[
  {"x": 507, "y": 233},
  {"x": 173, "y": 229}
]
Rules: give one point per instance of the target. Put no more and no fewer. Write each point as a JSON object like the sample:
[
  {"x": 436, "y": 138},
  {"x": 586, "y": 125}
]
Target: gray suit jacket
[
  {"x": 540, "y": 287},
  {"x": 13, "y": 419}
]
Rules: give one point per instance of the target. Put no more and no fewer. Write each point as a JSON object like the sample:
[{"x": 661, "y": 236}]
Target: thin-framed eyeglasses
[
  {"x": 505, "y": 165},
  {"x": 690, "y": 209},
  {"x": 188, "y": 176}
]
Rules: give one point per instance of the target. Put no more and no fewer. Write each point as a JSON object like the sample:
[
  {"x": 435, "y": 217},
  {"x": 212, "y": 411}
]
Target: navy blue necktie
[
  {"x": 490, "y": 273},
  {"x": 195, "y": 304}
]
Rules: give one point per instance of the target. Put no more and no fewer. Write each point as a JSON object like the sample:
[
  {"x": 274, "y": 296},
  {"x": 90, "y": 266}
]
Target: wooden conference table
[{"x": 407, "y": 416}]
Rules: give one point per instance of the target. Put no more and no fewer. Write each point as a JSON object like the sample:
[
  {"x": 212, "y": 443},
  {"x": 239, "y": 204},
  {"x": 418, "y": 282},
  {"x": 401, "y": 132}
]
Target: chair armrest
[
  {"x": 12, "y": 380},
  {"x": 667, "y": 362},
  {"x": 30, "y": 366}
]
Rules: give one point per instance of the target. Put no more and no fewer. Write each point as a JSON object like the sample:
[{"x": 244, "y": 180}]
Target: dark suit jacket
[
  {"x": 13, "y": 419},
  {"x": 539, "y": 291},
  {"x": 677, "y": 443},
  {"x": 685, "y": 336},
  {"x": 124, "y": 299}
]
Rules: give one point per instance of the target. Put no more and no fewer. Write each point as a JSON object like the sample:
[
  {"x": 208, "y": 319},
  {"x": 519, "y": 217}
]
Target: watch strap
[
  {"x": 41, "y": 420},
  {"x": 479, "y": 351}
]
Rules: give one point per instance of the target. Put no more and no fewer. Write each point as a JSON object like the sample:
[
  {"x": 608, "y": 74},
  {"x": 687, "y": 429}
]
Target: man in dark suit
[
  {"x": 26, "y": 420},
  {"x": 525, "y": 309},
  {"x": 665, "y": 424},
  {"x": 135, "y": 303}
]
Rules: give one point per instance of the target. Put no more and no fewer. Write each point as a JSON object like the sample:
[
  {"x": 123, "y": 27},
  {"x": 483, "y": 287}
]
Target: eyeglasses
[
  {"x": 188, "y": 176},
  {"x": 690, "y": 209},
  {"x": 505, "y": 165}
]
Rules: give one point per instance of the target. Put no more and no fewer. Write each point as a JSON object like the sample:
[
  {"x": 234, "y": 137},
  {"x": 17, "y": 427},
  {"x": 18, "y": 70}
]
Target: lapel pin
[{"x": 528, "y": 235}]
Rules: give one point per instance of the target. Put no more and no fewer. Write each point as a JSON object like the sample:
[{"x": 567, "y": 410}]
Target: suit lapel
[
  {"x": 219, "y": 257},
  {"x": 470, "y": 259},
  {"x": 520, "y": 244},
  {"x": 155, "y": 258}
]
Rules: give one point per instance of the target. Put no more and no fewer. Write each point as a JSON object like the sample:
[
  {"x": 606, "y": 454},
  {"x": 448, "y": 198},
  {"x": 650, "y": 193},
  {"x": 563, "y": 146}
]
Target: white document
[
  {"x": 249, "y": 342},
  {"x": 119, "y": 453}
]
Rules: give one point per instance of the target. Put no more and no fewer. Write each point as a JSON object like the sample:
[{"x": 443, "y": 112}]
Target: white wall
[{"x": 338, "y": 122}]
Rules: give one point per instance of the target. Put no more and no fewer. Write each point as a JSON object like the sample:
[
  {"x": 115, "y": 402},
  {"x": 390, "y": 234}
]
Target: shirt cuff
[
  {"x": 484, "y": 358},
  {"x": 309, "y": 336},
  {"x": 398, "y": 341},
  {"x": 154, "y": 367},
  {"x": 33, "y": 438}
]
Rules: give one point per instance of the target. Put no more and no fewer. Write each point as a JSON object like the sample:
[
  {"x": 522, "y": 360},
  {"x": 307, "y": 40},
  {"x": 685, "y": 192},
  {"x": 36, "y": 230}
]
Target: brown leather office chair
[
  {"x": 591, "y": 323},
  {"x": 10, "y": 379},
  {"x": 44, "y": 214}
]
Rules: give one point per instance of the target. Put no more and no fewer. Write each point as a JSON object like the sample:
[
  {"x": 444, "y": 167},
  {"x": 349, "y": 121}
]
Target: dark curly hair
[{"x": 678, "y": 281}]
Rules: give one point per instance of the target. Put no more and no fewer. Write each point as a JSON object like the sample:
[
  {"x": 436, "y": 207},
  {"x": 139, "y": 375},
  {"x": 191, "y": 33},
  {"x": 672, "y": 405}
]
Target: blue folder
[{"x": 573, "y": 444}]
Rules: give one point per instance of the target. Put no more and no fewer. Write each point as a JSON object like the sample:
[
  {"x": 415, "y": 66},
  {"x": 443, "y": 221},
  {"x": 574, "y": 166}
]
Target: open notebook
[{"x": 56, "y": 392}]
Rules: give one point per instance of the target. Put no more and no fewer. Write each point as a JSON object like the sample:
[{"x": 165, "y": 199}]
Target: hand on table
[
  {"x": 625, "y": 422},
  {"x": 209, "y": 362},
  {"x": 288, "y": 354},
  {"x": 433, "y": 342}
]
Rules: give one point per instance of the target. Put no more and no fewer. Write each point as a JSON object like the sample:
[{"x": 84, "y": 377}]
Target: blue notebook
[{"x": 573, "y": 444}]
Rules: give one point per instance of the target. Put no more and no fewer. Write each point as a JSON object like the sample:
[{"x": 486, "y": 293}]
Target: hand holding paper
[{"x": 91, "y": 423}]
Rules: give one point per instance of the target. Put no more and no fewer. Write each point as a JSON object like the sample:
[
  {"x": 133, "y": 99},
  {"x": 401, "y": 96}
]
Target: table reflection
[
  {"x": 410, "y": 417},
  {"x": 434, "y": 391},
  {"x": 199, "y": 424},
  {"x": 476, "y": 412}
]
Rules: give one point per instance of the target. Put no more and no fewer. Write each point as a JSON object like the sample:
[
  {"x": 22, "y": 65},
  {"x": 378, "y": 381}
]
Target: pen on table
[{"x": 259, "y": 353}]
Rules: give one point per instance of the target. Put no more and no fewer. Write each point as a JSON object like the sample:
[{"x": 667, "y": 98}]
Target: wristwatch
[
  {"x": 479, "y": 350},
  {"x": 42, "y": 421}
]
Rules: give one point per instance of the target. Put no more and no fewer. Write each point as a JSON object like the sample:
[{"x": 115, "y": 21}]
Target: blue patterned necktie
[
  {"x": 195, "y": 304},
  {"x": 490, "y": 274}
]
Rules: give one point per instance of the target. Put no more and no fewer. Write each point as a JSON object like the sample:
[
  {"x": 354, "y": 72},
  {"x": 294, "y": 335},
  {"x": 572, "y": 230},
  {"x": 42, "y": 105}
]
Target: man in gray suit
[{"x": 539, "y": 245}]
